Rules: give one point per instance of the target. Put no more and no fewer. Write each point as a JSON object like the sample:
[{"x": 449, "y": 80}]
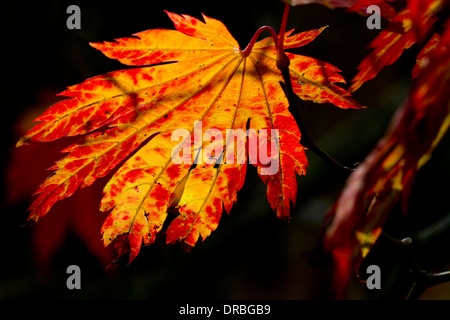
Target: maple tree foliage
[
  {"x": 194, "y": 74},
  {"x": 386, "y": 176},
  {"x": 197, "y": 78},
  {"x": 404, "y": 30},
  {"x": 77, "y": 216}
]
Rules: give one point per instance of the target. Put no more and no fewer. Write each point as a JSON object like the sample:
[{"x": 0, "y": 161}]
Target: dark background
[{"x": 251, "y": 255}]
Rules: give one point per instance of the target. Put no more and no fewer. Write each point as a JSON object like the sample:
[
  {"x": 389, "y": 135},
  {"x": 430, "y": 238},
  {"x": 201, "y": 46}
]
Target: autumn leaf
[
  {"x": 387, "y": 174},
  {"x": 190, "y": 81},
  {"x": 78, "y": 216},
  {"x": 420, "y": 11},
  {"x": 386, "y": 10},
  {"x": 400, "y": 34}
]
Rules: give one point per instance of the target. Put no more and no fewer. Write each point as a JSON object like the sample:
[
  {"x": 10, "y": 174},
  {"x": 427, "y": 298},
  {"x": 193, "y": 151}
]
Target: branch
[{"x": 422, "y": 279}]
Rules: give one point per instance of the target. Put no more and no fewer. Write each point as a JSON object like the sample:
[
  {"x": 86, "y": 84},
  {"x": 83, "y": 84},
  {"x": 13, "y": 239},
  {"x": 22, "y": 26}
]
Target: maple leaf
[
  {"x": 191, "y": 80},
  {"x": 400, "y": 34},
  {"x": 387, "y": 174},
  {"x": 420, "y": 10},
  {"x": 78, "y": 216}
]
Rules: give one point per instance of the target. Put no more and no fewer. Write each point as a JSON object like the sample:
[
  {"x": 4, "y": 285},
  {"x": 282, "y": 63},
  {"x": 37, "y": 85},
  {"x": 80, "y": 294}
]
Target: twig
[
  {"x": 283, "y": 65},
  {"x": 422, "y": 279}
]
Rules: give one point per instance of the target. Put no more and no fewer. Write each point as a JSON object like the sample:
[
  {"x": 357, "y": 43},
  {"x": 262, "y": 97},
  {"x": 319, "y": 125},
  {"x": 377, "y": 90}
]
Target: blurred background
[{"x": 251, "y": 255}]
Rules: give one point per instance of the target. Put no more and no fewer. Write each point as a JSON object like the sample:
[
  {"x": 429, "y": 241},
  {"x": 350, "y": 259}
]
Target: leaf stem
[
  {"x": 282, "y": 60},
  {"x": 252, "y": 42},
  {"x": 283, "y": 27}
]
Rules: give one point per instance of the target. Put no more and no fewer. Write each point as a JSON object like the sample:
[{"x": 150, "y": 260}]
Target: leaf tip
[
  {"x": 172, "y": 16},
  {"x": 355, "y": 86},
  {"x": 95, "y": 45},
  {"x": 22, "y": 142}
]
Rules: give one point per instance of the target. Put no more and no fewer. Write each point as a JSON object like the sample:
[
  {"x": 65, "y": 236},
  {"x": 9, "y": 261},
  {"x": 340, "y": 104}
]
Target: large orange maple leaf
[{"x": 192, "y": 81}]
